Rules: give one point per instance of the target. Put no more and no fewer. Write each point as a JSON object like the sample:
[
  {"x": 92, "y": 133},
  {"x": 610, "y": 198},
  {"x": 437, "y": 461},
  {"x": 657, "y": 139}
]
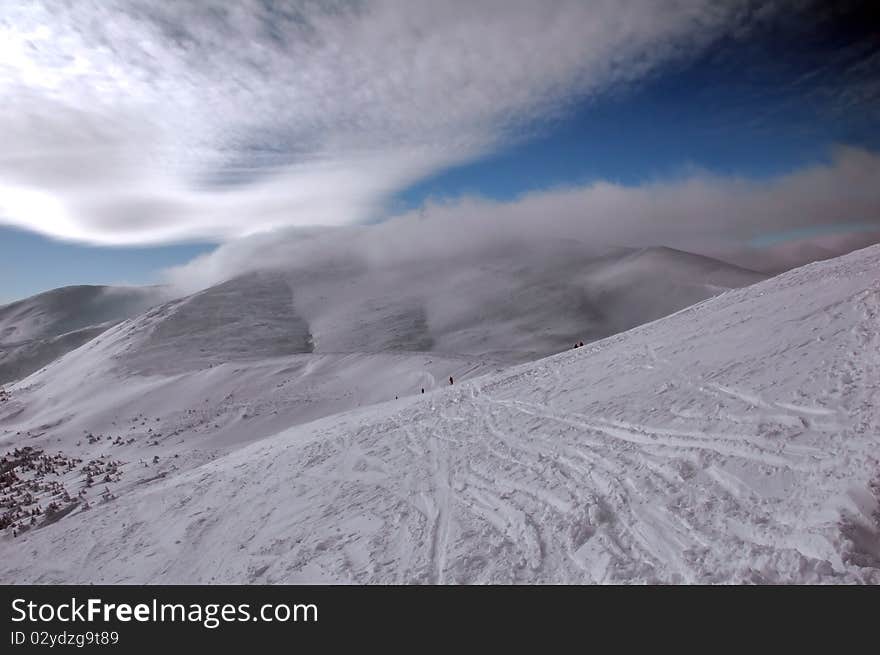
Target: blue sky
[
  {"x": 757, "y": 108},
  {"x": 32, "y": 263},
  {"x": 754, "y": 103}
]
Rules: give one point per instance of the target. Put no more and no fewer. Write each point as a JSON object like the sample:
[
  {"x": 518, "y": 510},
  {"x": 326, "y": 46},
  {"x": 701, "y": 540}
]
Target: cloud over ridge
[{"x": 701, "y": 212}]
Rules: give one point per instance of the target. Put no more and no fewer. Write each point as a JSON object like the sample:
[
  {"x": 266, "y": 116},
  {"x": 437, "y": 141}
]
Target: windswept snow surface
[
  {"x": 735, "y": 441},
  {"x": 267, "y": 350},
  {"x": 37, "y": 330}
]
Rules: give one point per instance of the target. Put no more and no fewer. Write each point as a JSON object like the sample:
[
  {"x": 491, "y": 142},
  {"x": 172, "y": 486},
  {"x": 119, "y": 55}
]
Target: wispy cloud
[
  {"x": 147, "y": 121},
  {"x": 701, "y": 213}
]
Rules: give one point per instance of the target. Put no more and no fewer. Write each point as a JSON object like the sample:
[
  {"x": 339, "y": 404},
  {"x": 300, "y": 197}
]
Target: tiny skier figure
[{"x": 450, "y": 380}]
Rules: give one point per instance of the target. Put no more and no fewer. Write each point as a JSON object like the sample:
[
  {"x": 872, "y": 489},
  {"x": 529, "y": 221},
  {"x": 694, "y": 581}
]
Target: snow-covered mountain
[
  {"x": 509, "y": 306},
  {"x": 512, "y": 305},
  {"x": 271, "y": 349},
  {"x": 39, "y": 329},
  {"x": 737, "y": 440}
]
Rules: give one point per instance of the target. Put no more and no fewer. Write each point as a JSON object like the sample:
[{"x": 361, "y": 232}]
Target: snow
[
  {"x": 737, "y": 440},
  {"x": 509, "y": 304},
  {"x": 38, "y": 330}
]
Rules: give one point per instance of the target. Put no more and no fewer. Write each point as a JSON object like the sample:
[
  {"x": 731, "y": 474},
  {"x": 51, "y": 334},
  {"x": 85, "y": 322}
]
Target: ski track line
[
  {"x": 662, "y": 439},
  {"x": 753, "y": 400},
  {"x": 813, "y": 411},
  {"x": 440, "y": 529},
  {"x": 541, "y": 460},
  {"x": 607, "y": 478},
  {"x": 512, "y": 522},
  {"x": 656, "y": 528},
  {"x": 508, "y": 486}
]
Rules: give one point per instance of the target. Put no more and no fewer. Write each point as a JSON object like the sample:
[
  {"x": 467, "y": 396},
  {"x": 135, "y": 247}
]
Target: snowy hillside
[
  {"x": 39, "y": 329},
  {"x": 271, "y": 349},
  {"x": 511, "y": 304},
  {"x": 496, "y": 306},
  {"x": 735, "y": 441}
]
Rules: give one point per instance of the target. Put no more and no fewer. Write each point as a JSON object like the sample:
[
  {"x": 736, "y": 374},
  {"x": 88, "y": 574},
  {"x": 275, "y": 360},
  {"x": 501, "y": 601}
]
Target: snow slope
[
  {"x": 513, "y": 304},
  {"x": 496, "y": 306},
  {"x": 218, "y": 368},
  {"x": 735, "y": 441},
  {"x": 284, "y": 347},
  {"x": 39, "y": 329}
]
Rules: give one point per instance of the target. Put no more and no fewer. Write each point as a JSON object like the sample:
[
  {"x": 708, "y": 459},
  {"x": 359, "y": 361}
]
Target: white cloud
[
  {"x": 148, "y": 121},
  {"x": 700, "y": 213}
]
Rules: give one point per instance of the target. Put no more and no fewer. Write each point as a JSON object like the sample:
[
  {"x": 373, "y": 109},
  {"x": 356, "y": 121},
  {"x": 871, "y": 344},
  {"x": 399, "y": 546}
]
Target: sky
[{"x": 154, "y": 140}]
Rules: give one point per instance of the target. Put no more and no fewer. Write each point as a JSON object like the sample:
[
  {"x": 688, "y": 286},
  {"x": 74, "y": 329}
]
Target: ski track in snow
[{"x": 735, "y": 441}]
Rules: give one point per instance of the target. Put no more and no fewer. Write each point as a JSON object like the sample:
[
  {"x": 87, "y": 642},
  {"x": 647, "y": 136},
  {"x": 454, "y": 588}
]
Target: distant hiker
[
  {"x": 423, "y": 389},
  {"x": 450, "y": 380},
  {"x": 580, "y": 344}
]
